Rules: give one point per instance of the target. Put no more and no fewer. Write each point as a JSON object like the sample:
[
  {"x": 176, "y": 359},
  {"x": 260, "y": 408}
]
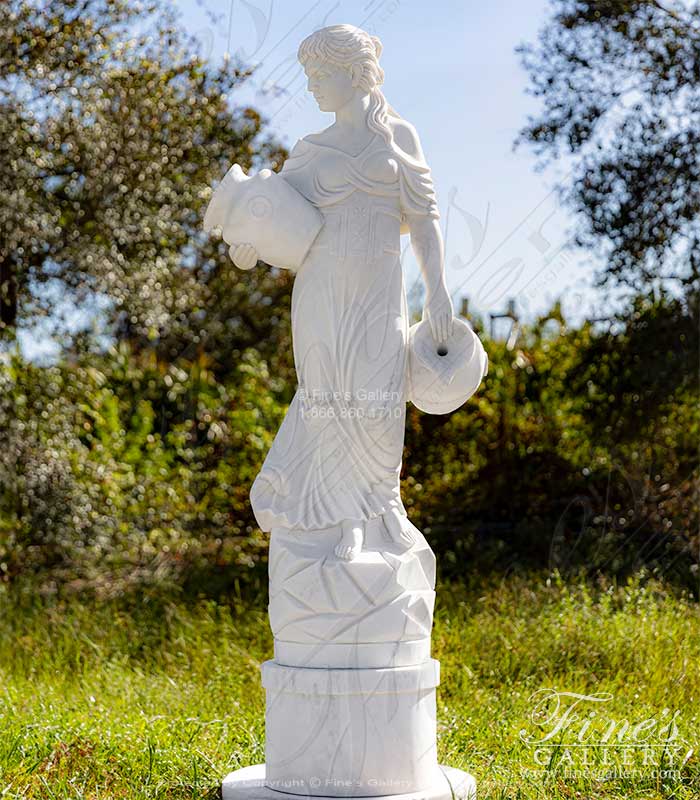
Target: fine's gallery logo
[{"x": 575, "y": 732}]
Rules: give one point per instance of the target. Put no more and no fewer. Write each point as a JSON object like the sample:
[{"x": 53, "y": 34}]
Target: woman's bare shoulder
[
  {"x": 320, "y": 137},
  {"x": 406, "y": 137}
]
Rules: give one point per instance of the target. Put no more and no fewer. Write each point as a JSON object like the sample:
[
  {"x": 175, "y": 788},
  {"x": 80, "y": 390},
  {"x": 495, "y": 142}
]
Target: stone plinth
[{"x": 357, "y": 732}]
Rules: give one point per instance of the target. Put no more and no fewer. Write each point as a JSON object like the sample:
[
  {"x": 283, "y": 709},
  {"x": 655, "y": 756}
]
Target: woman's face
[{"x": 330, "y": 85}]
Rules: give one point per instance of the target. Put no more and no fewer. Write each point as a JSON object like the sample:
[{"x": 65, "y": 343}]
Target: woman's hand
[
  {"x": 438, "y": 311},
  {"x": 244, "y": 256}
]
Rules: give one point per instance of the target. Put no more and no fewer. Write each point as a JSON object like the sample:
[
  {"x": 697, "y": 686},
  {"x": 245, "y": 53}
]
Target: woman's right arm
[{"x": 244, "y": 256}]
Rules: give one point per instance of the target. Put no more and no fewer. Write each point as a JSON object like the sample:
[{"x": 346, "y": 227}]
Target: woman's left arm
[{"x": 427, "y": 244}]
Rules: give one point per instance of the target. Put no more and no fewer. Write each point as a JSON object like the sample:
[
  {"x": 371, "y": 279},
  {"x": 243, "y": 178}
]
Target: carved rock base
[
  {"x": 374, "y": 611},
  {"x": 249, "y": 784}
]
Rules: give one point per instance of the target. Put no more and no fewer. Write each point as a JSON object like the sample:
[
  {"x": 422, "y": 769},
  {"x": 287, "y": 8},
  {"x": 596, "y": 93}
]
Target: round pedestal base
[{"x": 249, "y": 784}]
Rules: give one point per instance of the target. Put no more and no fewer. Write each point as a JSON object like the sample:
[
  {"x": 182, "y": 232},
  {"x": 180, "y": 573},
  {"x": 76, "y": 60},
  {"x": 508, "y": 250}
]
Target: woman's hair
[{"x": 346, "y": 46}]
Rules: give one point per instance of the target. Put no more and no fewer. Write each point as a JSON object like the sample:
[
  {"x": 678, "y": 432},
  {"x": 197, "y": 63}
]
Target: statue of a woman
[
  {"x": 337, "y": 457},
  {"x": 351, "y": 707}
]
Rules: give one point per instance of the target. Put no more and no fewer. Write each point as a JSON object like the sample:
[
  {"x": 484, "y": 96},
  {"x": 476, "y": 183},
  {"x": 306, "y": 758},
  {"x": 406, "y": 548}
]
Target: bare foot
[
  {"x": 352, "y": 535},
  {"x": 399, "y": 528}
]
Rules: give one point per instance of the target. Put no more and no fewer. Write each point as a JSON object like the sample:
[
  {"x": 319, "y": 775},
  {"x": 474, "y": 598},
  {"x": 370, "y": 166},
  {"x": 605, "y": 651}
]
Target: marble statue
[{"x": 351, "y": 688}]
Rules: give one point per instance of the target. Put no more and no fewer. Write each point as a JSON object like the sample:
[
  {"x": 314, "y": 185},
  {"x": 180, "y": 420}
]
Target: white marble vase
[{"x": 351, "y": 689}]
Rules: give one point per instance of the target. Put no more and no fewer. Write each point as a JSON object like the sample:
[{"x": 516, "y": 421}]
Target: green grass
[{"x": 159, "y": 698}]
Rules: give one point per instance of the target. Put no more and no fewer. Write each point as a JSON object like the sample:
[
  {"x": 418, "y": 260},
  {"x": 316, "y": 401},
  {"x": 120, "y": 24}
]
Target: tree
[
  {"x": 619, "y": 82},
  {"x": 112, "y": 130}
]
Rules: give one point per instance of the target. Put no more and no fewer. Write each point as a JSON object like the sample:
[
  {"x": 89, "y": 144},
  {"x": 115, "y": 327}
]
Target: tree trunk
[{"x": 8, "y": 295}]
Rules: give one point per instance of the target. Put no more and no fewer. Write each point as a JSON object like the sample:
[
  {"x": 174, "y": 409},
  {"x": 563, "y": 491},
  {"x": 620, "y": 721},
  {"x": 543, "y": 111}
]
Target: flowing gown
[{"x": 337, "y": 455}]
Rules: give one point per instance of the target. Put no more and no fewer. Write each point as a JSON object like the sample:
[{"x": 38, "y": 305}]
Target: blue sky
[{"x": 452, "y": 71}]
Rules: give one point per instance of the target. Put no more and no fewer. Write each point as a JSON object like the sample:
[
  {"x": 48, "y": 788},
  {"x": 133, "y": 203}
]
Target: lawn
[{"x": 160, "y": 697}]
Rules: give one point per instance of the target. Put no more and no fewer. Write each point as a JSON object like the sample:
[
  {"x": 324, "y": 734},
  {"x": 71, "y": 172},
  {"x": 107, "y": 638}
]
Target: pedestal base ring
[{"x": 249, "y": 784}]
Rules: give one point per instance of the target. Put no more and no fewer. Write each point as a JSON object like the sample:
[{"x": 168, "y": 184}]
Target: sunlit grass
[{"x": 160, "y": 698}]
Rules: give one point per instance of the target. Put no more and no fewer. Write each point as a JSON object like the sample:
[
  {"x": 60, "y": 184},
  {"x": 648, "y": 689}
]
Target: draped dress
[{"x": 337, "y": 455}]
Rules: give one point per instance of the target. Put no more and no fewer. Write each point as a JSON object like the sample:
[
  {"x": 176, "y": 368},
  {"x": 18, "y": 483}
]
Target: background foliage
[
  {"x": 122, "y": 468},
  {"x": 619, "y": 85}
]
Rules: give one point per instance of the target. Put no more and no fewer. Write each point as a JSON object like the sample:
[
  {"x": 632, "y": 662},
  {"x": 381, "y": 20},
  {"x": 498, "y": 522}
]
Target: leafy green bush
[
  {"x": 579, "y": 452},
  {"x": 127, "y": 469}
]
